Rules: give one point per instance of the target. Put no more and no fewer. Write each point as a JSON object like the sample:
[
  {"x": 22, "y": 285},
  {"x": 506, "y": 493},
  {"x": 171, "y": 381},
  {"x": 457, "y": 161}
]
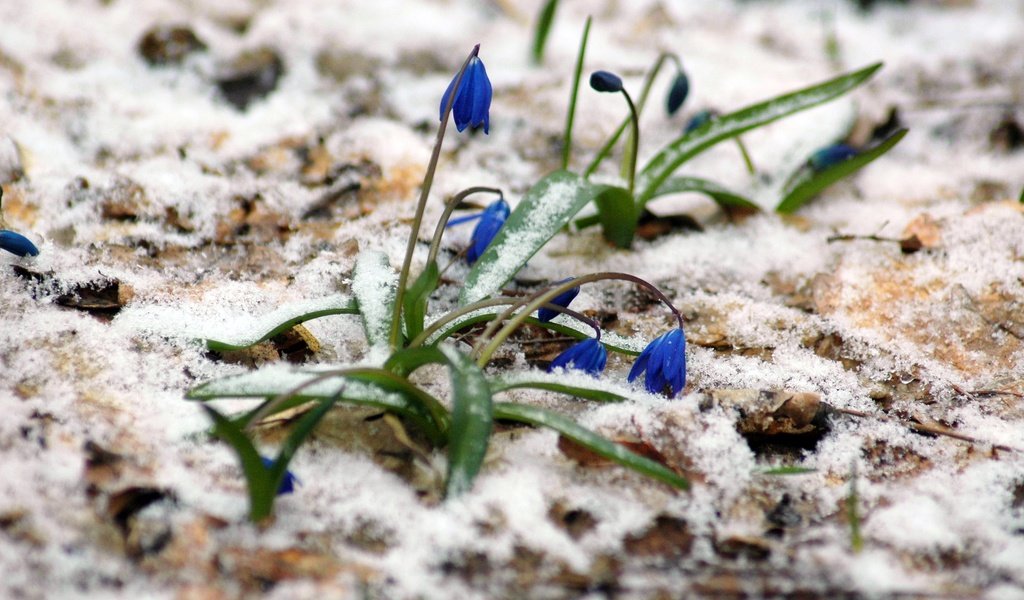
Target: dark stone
[
  {"x": 168, "y": 44},
  {"x": 250, "y": 76}
]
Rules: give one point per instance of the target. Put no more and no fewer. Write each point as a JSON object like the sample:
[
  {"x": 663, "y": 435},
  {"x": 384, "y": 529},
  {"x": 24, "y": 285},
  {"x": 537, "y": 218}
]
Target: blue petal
[
  {"x": 588, "y": 355},
  {"x": 463, "y": 219},
  {"x": 677, "y": 93},
  {"x": 674, "y": 366},
  {"x": 15, "y": 243},
  {"x": 645, "y": 357},
  {"x": 287, "y": 483},
  {"x": 546, "y": 314},
  {"x": 490, "y": 223}
]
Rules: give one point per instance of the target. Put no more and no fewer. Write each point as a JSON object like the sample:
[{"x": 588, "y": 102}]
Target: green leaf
[
  {"x": 299, "y": 433},
  {"x": 364, "y": 387},
  {"x": 570, "y": 113},
  {"x": 375, "y": 286},
  {"x": 415, "y": 300},
  {"x": 542, "y": 29},
  {"x": 665, "y": 162},
  {"x": 787, "y": 471},
  {"x": 555, "y": 383},
  {"x": 722, "y": 196},
  {"x": 472, "y": 420},
  {"x": 590, "y": 440},
  {"x": 274, "y": 326},
  {"x": 617, "y": 213},
  {"x": 407, "y": 360},
  {"x": 807, "y": 183},
  {"x": 545, "y": 209},
  {"x": 258, "y": 478}
]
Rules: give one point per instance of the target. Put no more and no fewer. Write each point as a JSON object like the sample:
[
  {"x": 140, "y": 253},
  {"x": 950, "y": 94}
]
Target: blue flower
[
  {"x": 664, "y": 359},
  {"x": 831, "y": 155},
  {"x": 15, "y": 243},
  {"x": 288, "y": 483},
  {"x": 699, "y": 119},
  {"x": 603, "y": 81},
  {"x": 546, "y": 314},
  {"x": 472, "y": 99},
  {"x": 491, "y": 220},
  {"x": 588, "y": 355},
  {"x": 677, "y": 93}
]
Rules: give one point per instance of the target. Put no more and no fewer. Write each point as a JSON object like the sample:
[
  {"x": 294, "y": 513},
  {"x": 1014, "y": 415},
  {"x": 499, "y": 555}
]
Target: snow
[{"x": 770, "y": 303}]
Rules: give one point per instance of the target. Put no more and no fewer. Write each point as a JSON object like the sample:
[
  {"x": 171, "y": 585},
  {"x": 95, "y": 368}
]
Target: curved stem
[
  {"x": 453, "y": 202},
  {"x": 641, "y": 102},
  {"x": 428, "y": 180},
  {"x": 629, "y": 161},
  {"x": 490, "y": 341}
]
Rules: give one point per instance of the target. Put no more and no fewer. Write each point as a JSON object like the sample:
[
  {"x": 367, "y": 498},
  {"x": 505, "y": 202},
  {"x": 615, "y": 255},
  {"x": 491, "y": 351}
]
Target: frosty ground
[{"x": 165, "y": 213}]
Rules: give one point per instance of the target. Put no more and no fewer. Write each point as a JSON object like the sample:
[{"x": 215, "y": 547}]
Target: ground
[{"x": 187, "y": 169}]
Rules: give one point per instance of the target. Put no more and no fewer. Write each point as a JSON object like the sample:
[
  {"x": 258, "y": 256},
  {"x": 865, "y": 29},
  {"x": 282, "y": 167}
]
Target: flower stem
[
  {"x": 571, "y": 113},
  {"x": 428, "y": 180},
  {"x": 641, "y": 102},
  {"x": 492, "y": 338},
  {"x": 629, "y": 160}
]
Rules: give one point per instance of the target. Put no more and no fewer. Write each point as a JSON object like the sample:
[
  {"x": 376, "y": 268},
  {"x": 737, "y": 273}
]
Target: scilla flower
[
  {"x": 699, "y": 119},
  {"x": 831, "y": 155},
  {"x": 588, "y": 355},
  {"x": 677, "y": 93},
  {"x": 287, "y": 484},
  {"x": 546, "y": 314},
  {"x": 664, "y": 359},
  {"x": 491, "y": 220},
  {"x": 472, "y": 99},
  {"x": 15, "y": 243}
]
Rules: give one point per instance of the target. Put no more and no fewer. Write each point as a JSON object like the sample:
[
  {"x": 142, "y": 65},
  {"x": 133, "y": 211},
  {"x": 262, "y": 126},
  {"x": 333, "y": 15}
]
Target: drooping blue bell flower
[
  {"x": 698, "y": 120},
  {"x": 15, "y": 243},
  {"x": 588, "y": 355},
  {"x": 546, "y": 314},
  {"x": 473, "y": 98},
  {"x": 664, "y": 360},
  {"x": 604, "y": 81},
  {"x": 491, "y": 220},
  {"x": 831, "y": 155},
  {"x": 677, "y": 93},
  {"x": 287, "y": 484}
]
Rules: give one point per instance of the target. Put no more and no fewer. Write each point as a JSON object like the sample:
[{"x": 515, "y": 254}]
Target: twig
[{"x": 935, "y": 429}]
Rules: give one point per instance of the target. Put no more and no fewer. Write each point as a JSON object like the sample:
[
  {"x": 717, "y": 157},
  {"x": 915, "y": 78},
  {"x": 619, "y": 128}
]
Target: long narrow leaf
[
  {"x": 472, "y": 420},
  {"x": 665, "y": 162},
  {"x": 374, "y": 284},
  {"x": 590, "y": 440},
  {"x": 415, "y": 300},
  {"x": 555, "y": 383},
  {"x": 362, "y": 387},
  {"x": 549, "y": 205},
  {"x": 722, "y": 196},
  {"x": 542, "y": 29},
  {"x": 259, "y": 481},
  {"x": 808, "y": 183},
  {"x": 299, "y": 433},
  {"x": 616, "y": 210}
]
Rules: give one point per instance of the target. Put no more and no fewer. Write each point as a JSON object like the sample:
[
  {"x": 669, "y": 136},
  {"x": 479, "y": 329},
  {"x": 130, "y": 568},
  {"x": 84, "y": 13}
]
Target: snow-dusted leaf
[
  {"x": 807, "y": 183},
  {"x": 722, "y": 196},
  {"x": 665, "y": 162},
  {"x": 224, "y": 332},
  {"x": 360, "y": 386},
  {"x": 375, "y": 284},
  {"x": 590, "y": 440},
  {"x": 546, "y": 208},
  {"x": 472, "y": 420}
]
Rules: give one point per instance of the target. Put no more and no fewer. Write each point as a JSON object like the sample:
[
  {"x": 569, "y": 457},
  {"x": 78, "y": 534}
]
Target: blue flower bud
[
  {"x": 473, "y": 98},
  {"x": 664, "y": 360},
  {"x": 603, "y": 81},
  {"x": 677, "y": 93},
  {"x": 546, "y": 314},
  {"x": 698, "y": 120},
  {"x": 15, "y": 243},
  {"x": 831, "y": 155},
  {"x": 287, "y": 484},
  {"x": 588, "y": 355}
]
